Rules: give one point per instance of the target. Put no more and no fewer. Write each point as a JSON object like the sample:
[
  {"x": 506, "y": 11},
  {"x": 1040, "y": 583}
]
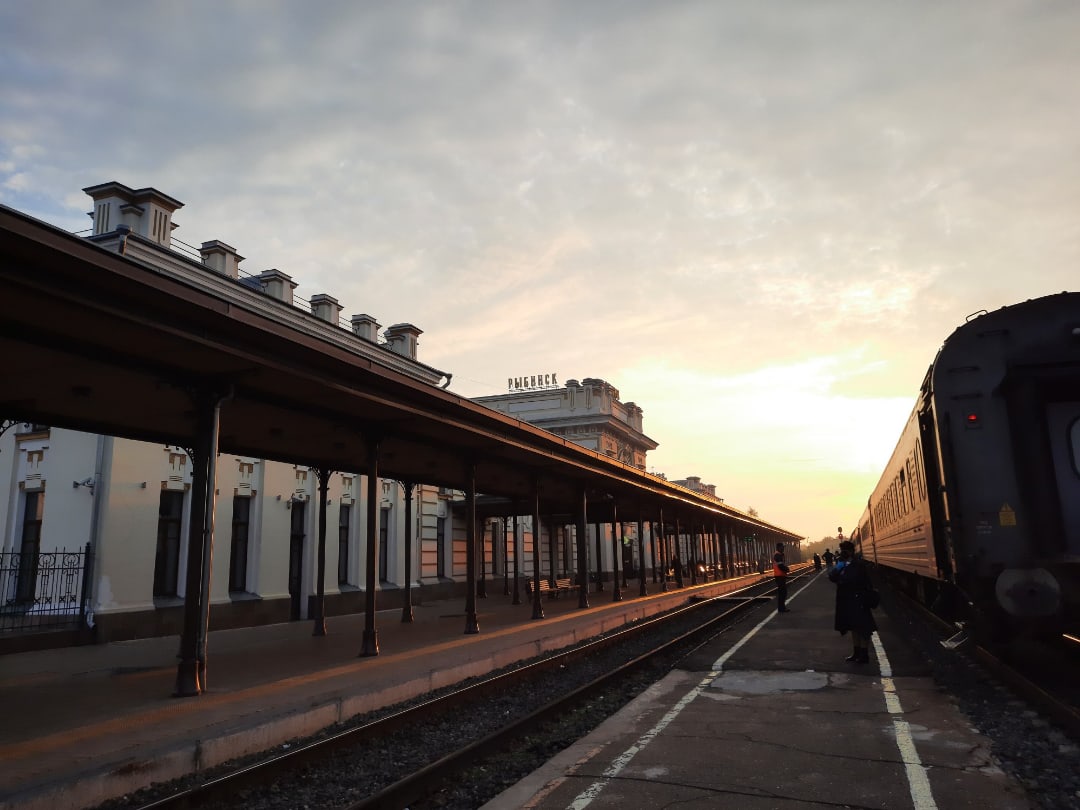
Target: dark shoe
[
  {"x": 783, "y": 610},
  {"x": 864, "y": 657},
  {"x": 853, "y": 658},
  {"x": 858, "y": 656}
]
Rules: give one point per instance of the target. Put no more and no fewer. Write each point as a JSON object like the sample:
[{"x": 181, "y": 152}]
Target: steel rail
[
  {"x": 427, "y": 780},
  {"x": 1047, "y": 704},
  {"x": 251, "y": 776}
]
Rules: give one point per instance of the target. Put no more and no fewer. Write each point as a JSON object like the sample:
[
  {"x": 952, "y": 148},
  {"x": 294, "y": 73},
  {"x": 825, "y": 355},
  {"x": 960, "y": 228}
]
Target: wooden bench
[{"x": 565, "y": 585}]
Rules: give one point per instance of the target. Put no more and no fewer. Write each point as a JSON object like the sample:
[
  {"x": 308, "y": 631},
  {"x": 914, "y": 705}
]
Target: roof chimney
[
  {"x": 402, "y": 338},
  {"x": 146, "y": 211},
  {"x": 277, "y": 285},
  {"x": 221, "y": 258},
  {"x": 326, "y": 307},
  {"x": 366, "y": 327}
]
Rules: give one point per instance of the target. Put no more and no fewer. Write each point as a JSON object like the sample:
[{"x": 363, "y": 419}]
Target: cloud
[{"x": 713, "y": 199}]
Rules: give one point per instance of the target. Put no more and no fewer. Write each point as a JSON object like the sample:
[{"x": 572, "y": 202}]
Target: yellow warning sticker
[{"x": 1006, "y": 516}]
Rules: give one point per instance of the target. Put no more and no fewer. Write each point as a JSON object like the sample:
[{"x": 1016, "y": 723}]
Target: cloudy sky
[{"x": 758, "y": 220}]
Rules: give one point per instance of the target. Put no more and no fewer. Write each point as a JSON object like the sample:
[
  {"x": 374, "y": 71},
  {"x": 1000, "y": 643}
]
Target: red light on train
[{"x": 972, "y": 420}]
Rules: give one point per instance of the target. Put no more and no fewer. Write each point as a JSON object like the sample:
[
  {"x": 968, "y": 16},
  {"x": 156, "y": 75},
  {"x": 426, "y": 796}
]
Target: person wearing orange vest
[{"x": 780, "y": 572}]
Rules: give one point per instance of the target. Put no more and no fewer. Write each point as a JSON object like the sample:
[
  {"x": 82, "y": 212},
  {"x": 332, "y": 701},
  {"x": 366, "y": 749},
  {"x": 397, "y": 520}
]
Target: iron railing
[{"x": 44, "y": 591}]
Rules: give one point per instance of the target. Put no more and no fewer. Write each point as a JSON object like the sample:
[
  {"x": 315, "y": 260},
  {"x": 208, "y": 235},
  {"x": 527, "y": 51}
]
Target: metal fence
[{"x": 44, "y": 591}]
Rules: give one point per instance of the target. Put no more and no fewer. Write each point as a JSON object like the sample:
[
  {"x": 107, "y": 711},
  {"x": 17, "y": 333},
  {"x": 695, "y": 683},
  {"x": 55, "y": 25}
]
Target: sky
[{"x": 757, "y": 220}]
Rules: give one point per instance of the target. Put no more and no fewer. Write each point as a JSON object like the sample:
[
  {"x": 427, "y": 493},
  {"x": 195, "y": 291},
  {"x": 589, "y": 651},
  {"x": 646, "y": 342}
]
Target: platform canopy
[{"x": 95, "y": 341}]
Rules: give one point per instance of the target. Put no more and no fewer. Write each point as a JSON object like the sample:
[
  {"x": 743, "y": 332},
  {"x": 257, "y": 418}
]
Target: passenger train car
[{"x": 978, "y": 510}]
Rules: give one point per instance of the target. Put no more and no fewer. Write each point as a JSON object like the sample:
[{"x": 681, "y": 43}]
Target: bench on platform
[{"x": 565, "y": 585}]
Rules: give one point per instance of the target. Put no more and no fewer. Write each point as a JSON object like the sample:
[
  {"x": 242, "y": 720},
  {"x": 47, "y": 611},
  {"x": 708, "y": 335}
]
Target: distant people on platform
[
  {"x": 817, "y": 561},
  {"x": 762, "y": 564},
  {"x": 828, "y": 555},
  {"x": 677, "y": 565},
  {"x": 854, "y": 602},
  {"x": 780, "y": 572}
]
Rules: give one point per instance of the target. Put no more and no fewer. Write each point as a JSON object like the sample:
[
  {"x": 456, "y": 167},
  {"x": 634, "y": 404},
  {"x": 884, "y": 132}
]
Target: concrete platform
[
  {"x": 771, "y": 716},
  {"x": 82, "y": 725}
]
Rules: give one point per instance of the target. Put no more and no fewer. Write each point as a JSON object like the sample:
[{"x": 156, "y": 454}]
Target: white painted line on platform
[
  {"x": 584, "y": 799},
  {"x": 918, "y": 783}
]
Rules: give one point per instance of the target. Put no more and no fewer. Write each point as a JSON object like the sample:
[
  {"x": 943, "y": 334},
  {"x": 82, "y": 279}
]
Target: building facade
[
  {"x": 95, "y": 528},
  {"x": 588, "y": 413}
]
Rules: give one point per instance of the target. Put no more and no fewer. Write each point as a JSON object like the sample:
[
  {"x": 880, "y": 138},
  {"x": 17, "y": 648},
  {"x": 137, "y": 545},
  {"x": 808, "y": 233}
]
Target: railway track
[
  {"x": 1045, "y": 678},
  {"x": 407, "y": 757}
]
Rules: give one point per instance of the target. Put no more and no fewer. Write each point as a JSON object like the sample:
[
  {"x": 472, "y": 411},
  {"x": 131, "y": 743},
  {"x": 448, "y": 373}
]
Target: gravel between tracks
[
  {"x": 348, "y": 776},
  {"x": 1041, "y": 757}
]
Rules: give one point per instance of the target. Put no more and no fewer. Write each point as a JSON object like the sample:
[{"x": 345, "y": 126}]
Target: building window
[
  {"x": 30, "y": 547},
  {"x": 384, "y": 544},
  {"x": 238, "y": 561},
  {"x": 440, "y": 547},
  {"x": 344, "y": 516},
  {"x": 167, "y": 561},
  {"x": 297, "y": 534}
]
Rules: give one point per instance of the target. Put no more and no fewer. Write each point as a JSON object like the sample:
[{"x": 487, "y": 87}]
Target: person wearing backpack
[{"x": 854, "y": 594}]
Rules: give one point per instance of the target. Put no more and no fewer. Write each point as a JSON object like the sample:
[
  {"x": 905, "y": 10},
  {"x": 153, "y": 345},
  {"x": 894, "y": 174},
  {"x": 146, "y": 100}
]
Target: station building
[{"x": 95, "y": 527}]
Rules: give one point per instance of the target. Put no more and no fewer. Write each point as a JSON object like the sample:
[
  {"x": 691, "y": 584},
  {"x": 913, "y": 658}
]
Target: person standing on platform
[
  {"x": 780, "y": 572},
  {"x": 853, "y": 611},
  {"x": 817, "y": 561},
  {"x": 828, "y": 555}
]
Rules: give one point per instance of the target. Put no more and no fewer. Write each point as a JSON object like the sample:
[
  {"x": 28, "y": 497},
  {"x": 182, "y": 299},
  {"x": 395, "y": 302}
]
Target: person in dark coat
[{"x": 853, "y": 612}]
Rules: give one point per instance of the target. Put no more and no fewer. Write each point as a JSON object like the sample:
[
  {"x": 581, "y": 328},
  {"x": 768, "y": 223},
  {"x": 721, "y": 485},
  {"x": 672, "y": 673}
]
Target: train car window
[{"x": 919, "y": 470}]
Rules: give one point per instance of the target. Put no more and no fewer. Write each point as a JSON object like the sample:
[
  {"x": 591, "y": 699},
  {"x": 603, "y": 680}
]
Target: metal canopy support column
[
  {"x": 471, "y": 625},
  {"x": 370, "y": 643},
  {"x": 583, "y": 550},
  {"x": 652, "y": 551},
  {"x": 714, "y": 561},
  {"x": 721, "y": 540},
  {"x": 538, "y": 606},
  {"x": 599, "y": 560},
  {"x": 319, "y": 620},
  {"x": 191, "y": 671},
  {"x": 506, "y": 556},
  {"x": 680, "y": 556},
  {"x": 660, "y": 539},
  {"x": 553, "y": 551},
  {"x": 517, "y": 568},
  {"x": 481, "y": 586},
  {"x": 616, "y": 591},
  {"x": 693, "y": 552},
  {"x": 642, "y": 589},
  {"x": 407, "y": 607},
  {"x": 622, "y": 554}
]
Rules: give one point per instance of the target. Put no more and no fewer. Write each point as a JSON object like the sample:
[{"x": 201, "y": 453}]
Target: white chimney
[
  {"x": 401, "y": 338},
  {"x": 277, "y": 285},
  {"x": 221, "y": 258},
  {"x": 146, "y": 211},
  {"x": 326, "y": 307},
  {"x": 366, "y": 327}
]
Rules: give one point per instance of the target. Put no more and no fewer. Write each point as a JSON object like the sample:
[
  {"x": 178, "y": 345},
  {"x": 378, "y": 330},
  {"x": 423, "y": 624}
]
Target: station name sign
[{"x": 532, "y": 382}]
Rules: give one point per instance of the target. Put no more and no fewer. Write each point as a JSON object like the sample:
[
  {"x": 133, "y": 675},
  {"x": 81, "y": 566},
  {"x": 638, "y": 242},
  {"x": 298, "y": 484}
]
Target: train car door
[{"x": 1063, "y": 423}]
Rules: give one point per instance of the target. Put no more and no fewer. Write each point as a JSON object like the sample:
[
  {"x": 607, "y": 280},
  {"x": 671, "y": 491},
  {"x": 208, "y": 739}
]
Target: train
[{"x": 977, "y": 514}]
